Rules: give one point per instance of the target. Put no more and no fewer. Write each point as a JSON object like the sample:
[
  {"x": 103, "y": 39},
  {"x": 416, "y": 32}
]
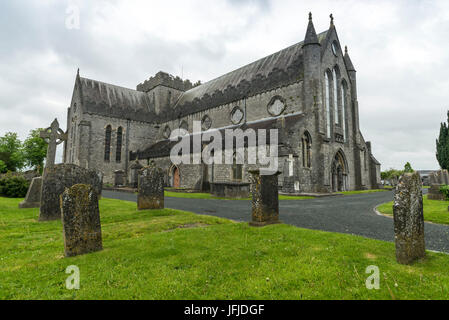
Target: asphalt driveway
[{"x": 352, "y": 214}]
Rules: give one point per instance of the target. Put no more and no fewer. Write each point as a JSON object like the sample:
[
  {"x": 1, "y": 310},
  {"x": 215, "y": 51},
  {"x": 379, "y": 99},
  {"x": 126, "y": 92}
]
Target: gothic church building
[{"x": 307, "y": 91}]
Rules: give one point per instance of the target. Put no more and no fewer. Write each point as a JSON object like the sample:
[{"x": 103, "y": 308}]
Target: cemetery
[{"x": 275, "y": 179}]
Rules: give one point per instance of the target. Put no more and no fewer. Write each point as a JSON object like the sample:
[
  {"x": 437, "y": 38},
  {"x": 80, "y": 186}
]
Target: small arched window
[
  {"x": 107, "y": 143},
  {"x": 118, "y": 152},
  {"x": 306, "y": 150},
  {"x": 237, "y": 168}
]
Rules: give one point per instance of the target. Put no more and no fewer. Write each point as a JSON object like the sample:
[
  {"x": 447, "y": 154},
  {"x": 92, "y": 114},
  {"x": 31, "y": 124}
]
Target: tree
[
  {"x": 3, "y": 168},
  {"x": 11, "y": 152},
  {"x": 35, "y": 150},
  {"x": 408, "y": 168},
  {"x": 443, "y": 146}
]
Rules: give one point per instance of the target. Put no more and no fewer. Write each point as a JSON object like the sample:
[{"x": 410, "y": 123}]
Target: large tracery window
[
  {"x": 118, "y": 153},
  {"x": 306, "y": 150},
  {"x": 328, "y": 115},
  {"x": 107, "y": 144}
]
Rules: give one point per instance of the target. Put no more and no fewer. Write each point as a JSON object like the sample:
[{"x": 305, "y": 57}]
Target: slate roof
[
  {"x": 114, "y": 101},
  {"x": 280, "y": 68},
  {"x": 164, "y": 147},
  {"x": 276, "y": 70}
]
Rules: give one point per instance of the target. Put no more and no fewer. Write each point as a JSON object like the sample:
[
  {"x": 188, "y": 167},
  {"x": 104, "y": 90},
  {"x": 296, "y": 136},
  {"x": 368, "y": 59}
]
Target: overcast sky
[{"x": 399, "y": 48}]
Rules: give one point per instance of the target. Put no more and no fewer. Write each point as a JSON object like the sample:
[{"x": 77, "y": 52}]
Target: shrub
[
  {"x": 13, "y": 186},
  {"x": 445, "y": 191}
]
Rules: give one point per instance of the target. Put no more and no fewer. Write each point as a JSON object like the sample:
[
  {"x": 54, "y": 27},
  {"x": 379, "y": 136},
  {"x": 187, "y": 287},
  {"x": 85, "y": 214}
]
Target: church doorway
[
  {"x": 176, "y": 178},
  {"x": 339, "y": 173}
]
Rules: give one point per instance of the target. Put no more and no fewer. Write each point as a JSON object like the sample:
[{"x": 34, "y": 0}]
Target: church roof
[
  {"x": 281, "y": 68},
  {"x": 276, "y": 70},
  {"x": 114, "y": 101}
]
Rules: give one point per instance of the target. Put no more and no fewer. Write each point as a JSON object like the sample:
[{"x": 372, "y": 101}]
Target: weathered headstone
[
  {"x": 54, "y": 136},
  {"x": 265, "y": 199},
  {"x": 445, "y": 175},
  {"x": 80, "y": 217},
  {"x": 59, "y": 177},
  {"x": 434, "y": 193},
  {"x": 134, "y": 169},
  {"x": 33, "y": 197},
  {"x": 119, "y": 178},
  {"x": 433, "y": 178},
  {"x": 409, "y": 219},
  {"x": 151, "y": 188}
]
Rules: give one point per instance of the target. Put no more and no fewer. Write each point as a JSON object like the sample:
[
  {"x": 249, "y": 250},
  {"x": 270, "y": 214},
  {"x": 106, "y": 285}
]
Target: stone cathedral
[{"x": 307, "y": 91}]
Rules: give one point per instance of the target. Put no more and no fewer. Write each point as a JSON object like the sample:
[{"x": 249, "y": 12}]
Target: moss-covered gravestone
[
  {"x": 265, "y": 202},
  {"x": 151, "y": 188},
  {"x": 409, "y": 219},
  {"x": 80, "y": 217},
  {"x": 59, "y": 177},
  {"x": 33, "y": 197}
]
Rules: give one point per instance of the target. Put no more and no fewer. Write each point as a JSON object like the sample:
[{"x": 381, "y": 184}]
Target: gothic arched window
[
  {"x": 118, "y": 152},
  {"x": 107, "y": 144},
  {"x": 328, "y": 115},
  {"x": 306, "y": 150},
  {"x": 343, "y": 108},
  {"x": 335, "y": 95},
  {"x": 237, "y": 169}
]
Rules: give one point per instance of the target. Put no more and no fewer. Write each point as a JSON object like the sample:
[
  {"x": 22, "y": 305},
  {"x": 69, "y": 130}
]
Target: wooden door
[{"x": 176, "y": 179}]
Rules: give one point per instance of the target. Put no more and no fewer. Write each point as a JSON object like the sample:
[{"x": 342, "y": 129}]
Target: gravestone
[
  {"x": 445, "y": 175},
  {"x": 33, "y": 197},
  {"x": 434, "y": 193},
  {"x": 409, "y": 219},
  {"x": 151, "y": 188},
  {"x": 265, "y": 199},
  {"x": 80, "y": 217},
  {"x": 119, "y": 178},
  {"x": 59, "y": 177},
  {"x": 134, "y": 169}
]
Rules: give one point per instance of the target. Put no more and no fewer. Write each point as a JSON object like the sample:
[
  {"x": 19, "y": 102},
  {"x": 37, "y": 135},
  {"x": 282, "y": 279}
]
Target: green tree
[
  {"x": 443, "y": 146},
  {"x": 35, "y": 150},
  {"x": 11, "y": 152},
  {"x": 408, "y": 168},
  {"x": 3, "y": 168}
]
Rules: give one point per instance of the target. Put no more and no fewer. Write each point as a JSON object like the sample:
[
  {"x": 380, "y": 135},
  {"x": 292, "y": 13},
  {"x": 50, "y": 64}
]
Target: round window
[
  {"x": 206, "y": 123},
  {"x": 237, "y": 115},
  {"x": 276, "y": 106}
]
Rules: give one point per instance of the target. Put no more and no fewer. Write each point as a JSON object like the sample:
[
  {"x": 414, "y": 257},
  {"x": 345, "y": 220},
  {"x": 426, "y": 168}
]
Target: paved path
[{"x": 344, "y": 214}]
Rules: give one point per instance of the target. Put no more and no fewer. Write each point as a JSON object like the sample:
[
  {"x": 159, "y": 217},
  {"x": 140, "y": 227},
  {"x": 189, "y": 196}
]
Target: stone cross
[
  {"x": 54, "y": 136},
  {"x": 291, "y": 161}
]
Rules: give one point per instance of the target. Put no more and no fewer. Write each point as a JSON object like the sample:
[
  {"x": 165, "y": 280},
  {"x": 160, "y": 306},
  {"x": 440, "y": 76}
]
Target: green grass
[
  {"x": 147, "y": 256},
  {"x": 187, "y": 195},
  {"x": 434, "y": 210},
  {"x": 347, "y": 193}
]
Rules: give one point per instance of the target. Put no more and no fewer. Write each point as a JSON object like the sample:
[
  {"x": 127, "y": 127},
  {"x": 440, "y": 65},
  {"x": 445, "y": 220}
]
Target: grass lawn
[
  {"x": 434, "y": 210},
  {"x": 347, "y": 193},
  {"x": 147, "y": 255},
  {"x": 187, "y": 195}
]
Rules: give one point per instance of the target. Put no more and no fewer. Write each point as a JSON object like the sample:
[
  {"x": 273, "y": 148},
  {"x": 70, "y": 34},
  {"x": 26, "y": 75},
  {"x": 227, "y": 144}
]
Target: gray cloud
[{"x": 398, "y": 48}]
